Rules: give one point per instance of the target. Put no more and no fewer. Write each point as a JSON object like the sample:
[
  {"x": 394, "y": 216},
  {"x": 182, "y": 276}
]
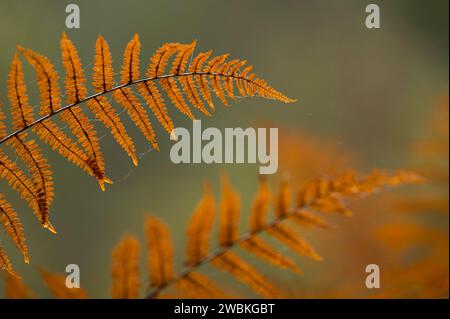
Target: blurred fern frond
[
  {"x": 313, "y": 197},
  {"x": 318, "y": 195},
  {"x": 57, "y": 285},
  {"x": 125, "y": 269}
]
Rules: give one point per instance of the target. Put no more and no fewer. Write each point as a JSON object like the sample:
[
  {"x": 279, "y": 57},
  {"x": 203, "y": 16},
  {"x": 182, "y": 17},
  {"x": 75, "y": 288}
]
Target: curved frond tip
[
  {"x": 125, "y": 269},
  {"x": 192, "y": 283}
]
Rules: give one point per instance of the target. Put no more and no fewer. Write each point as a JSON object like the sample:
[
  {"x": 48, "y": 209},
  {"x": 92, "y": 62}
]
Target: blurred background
[{"x": 363, "y": 94}]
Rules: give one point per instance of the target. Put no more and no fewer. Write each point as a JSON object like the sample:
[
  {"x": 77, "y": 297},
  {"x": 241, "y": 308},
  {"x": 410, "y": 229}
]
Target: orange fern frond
[
  {"x": 50, "y": 97},
  {"x": 51, "y": 134},
  {"x": 257, "y": 221},
  {"x": 130, "y": 67},
  {"x": 125, "y": 96},
  {"x": 229, "y": 214},
  {"x": 5, "y": 263},
  {"x": 196, "y": 285},
  {"x": 287, "y": 236},
  {"x": 199, "y": 229},
  {"x": 57, "y": 285},
  {"x": 170, "y": 84},
  {"x": 230, "y": 262},
  {"x": 188, "y": 83},
  {"x": 125, "y": 269},
  {"x": 347, "y": 184},
  {"x": 75, "y": 87},
  {"x": 41, "y": 174},
  {"x": 23, "y": 185},
  {"x": 160, "y": 261},
  {"x": 211, "y": 68},
  {"x": 13, "y": 227},
  {"x": 22, "y": 113},
  {"x": 190, "y": 80},
  {"x": 151, "y": 94},
  {"x": 103, "y": 76},
  {"x": 331, "y": 204},
  {"x": 29, "y": 151},
  {"x": 20, "y": 182},
  {"x": 263, "y": 250},
  {"x": 283, "y": 200},
  {"x": 196, "y": 67},
  {"x": 308, "y": 220},
  {"x": 103, "y": 81},
  {"x": 47, "y": 78},
  {"x": 260, "y": 207}
]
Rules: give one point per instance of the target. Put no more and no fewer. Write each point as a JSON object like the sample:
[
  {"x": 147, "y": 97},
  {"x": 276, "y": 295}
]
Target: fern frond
[
  {"x": 22, "y": 113},
  {"x": 260, "y": 207},
  {"x": 29, "y": 151},
  {"x": 74, "y": 81},
  {"x": 212, "y": 68},
  {"x": 196, "y": 285},
  {"x": 170, "y": 84},
  {"x": 75, "y": 118},
  {"x": 19, "y": 181},
  {"x": 48, "y": 81},
  {"x": 244, "y": 272},
  {"x": 151, "y": 93},
  {"x": 103, "y": 76},
  {"x": 51, "y": 134},
  {"x": 184, "y": 82},
  {"x": 102, "y": 81},
  {"x": 263, "y": 250},
  {"x": 290, "y": 238},
  {"x": 13, "y": 227},
  {"x": 345, "y": 185},
  {"x": 125, "y": 96},
  {"x": 188, "y": 83},
  {"x": 160, "y": 261},
  {"x": 199, "y": 229},
  {"x": 16, "y": 289},
  {"x": 5, "y": 263},
  {"x": 50, "y": 97},
  {"x": 229, "y": 214},
  {"x": 57, "y": 285},
  {"x": 282, "y": 232},
  {"x": 307, "y": 219},
  {"x": 202, "y": 84},
  {"x": 258, "y": 220},
  {"x": 41, "y": 174},
  {"x": 125, "y": 269},
  {"x": 283, "y": 200},
  {"x": 15, "y": 177}
]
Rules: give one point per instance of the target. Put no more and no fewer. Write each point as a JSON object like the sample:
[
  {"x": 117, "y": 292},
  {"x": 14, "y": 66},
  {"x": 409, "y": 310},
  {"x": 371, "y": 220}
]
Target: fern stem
[
  {"x": 222, "y": 250},
  {"x": 118, "y": 87}
]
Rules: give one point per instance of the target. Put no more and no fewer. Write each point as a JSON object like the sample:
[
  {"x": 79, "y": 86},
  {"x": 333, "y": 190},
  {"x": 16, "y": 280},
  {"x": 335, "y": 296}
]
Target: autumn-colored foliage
[
  {"x": 82, "y": 146},
  {"x": 318, "y": 195}
]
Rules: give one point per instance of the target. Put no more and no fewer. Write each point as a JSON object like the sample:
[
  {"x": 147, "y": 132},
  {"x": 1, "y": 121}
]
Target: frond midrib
[
  {"x": 220, "y": 251},
  {"x": 121, "y": 86}
]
